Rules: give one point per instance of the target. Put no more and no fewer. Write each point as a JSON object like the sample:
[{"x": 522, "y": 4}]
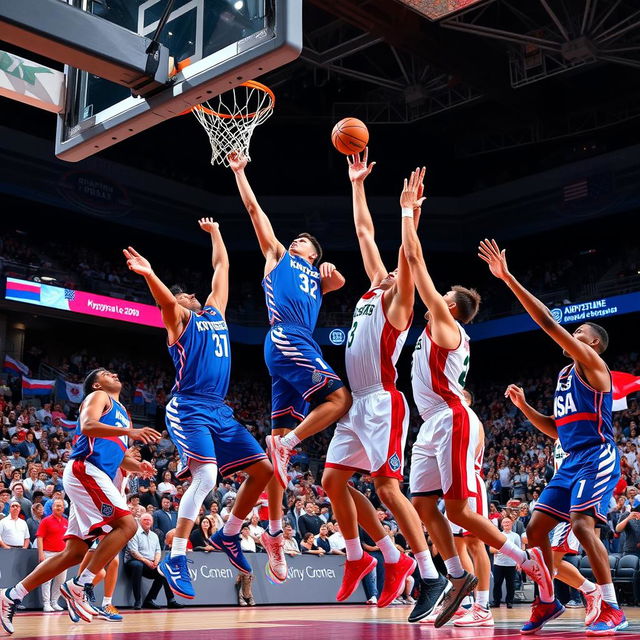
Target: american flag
[{"x": 576, "y": 191}]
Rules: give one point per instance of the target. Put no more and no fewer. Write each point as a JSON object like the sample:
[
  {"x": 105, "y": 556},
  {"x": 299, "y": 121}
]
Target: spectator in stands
[
  {"x": 291, "y": 547},
  {"x": 33, "y": 522},
  {"x": 167, "y": 485},
  {"x": 309, "y": 522},
  {"x": 247, "y": 542},
  {"x": 534, "y": 500},
  {"x": 255, "y": 529},
  {"x": 25, "y": 503},
  {"x": 28, "y": 449},
  {"x": 520, "y": 483},
  {"x": 322, "y": 539},
  {"x": 295, "y": 512},
  {"x": 216, "y": 520},
  {"x": 200, "y": 536},
  {"x": 336, "y": 541},
  {"x": 143, "y": 556},
  {"x": 17, "y": 461},
  {"x": 308, "y": 545},
  {"x": 14, "y": 533},
  {"x": 505, "y": 475},
  {"x": 630, "y": 524},
  {"x": 166, "y": 517},
  {"x": 44, "y": 412},
  {"x": 5, "y": 496},
  {"x": 32, "y": 482},
  {"x": 150, "y": 495},
  {"x": 504, "y": 568},
  {"x": 50, "y": 539},
  {"x": 228, "y": 501}
]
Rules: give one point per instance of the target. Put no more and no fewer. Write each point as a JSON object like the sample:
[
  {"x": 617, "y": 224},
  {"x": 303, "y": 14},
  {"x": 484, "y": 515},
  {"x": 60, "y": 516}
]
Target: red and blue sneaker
[
  {"x": 541, "y": 613},
  {"x": 231, "y": 546},
  {"x": 610, "y": 620},
  {"x": 176, "y": 573}
]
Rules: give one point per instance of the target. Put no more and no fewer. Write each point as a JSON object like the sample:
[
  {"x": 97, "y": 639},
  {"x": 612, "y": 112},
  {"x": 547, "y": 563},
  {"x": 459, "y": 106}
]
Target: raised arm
[
  {"x": 546, "y": 424},
  {"x": 443, "y": 327},
  {"x": 173, "y": 315},
  {"x": 594, "y": 366},
  {"x": 358, "y": 171},
  {"x": 272, "y": 249},
  {"x": 330, "y": 278},
  {"x": 219, "y": 295}
]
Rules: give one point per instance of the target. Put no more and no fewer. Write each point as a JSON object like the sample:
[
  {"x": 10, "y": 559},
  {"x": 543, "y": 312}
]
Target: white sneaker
[
  {"x": 277, "y": 563},
  {"x": 372, "y": 600},
  {"x": 477, "y": 616},
  {"x": 47, "y": 608},
  {"x": 78, "y": 599},
  {"x": 594, "y": 604},
  {"x": 535, "y": 567},
  {"x": 397, "y": 601},
  {"x": 409, "y": 600},
  {"x": 279, "y": 456},
  {"x": 7, "y": 610},
  {"x": 57, "y": 607}
]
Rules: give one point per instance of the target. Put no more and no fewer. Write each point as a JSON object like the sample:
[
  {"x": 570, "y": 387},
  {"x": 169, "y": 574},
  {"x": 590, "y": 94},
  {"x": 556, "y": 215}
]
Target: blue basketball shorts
[
  {"x": 299, "y": 374},
  {"x": 207, "y": 431},
  {"x": 584, "y": 483}
]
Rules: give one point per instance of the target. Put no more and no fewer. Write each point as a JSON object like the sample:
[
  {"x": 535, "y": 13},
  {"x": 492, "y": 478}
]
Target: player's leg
[
  {"x": 238, "y": 450},
  {"x": 479, "y": 615},
  {"x": 594, "y": 482},
  {"x": 463, "y": 553},
  {"x": 188, "y": 423}
]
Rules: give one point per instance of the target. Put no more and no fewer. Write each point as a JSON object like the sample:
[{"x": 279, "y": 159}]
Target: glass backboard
[{"x": 222, "y": 43}]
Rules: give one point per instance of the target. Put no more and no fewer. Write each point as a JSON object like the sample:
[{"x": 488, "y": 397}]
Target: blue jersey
[
  {"x": 105, "y": 453},
  {"x": 202, "y": 355},
  {"x": 582, "y": 414},
  {"x": 293, "y": 292}
]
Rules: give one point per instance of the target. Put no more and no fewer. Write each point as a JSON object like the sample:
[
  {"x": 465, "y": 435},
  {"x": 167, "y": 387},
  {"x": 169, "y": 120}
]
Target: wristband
[{"x": 407, "y": 212}]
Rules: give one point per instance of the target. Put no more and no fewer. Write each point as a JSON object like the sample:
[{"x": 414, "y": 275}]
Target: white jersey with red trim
[
  {"x": 373, "y": 345},
  {"x": 438, "y": 375}
]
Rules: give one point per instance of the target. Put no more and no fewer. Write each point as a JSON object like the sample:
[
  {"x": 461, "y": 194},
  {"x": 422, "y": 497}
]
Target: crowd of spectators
[{"x": 35, "y": 447}]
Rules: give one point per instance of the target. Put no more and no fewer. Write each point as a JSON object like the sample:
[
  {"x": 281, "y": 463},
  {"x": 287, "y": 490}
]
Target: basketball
[{"x": 350, "y": 135}]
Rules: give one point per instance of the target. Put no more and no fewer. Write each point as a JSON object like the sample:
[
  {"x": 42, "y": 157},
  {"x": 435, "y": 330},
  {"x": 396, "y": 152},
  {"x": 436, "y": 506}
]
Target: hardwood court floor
[{"x": 346, "y": 622}]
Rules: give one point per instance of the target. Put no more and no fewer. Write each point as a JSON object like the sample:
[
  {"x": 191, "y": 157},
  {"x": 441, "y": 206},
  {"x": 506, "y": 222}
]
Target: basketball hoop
[{"x": 231, "y": 118}]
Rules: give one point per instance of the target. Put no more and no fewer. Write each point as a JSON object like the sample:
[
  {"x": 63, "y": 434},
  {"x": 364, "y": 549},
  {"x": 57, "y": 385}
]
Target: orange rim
[{"x": 252, "y": 84}]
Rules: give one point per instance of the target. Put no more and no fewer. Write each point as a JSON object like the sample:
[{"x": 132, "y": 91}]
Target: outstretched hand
[
  {"x": 237, "y": 161},
  {"x": 137, "y": 263},
  {"x": 358, "y": 167},
  {"x": 208, "y": 225},
  {"x": 516, "y": 395},
  {"x": 411, "y": 196},
  {"x": 490, "y": 252},
  {"x": 327, "y": 269}
]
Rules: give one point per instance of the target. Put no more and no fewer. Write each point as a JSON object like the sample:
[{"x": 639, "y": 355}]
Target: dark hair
[
  {"x": 176, "y": 289},
  {"x": 602, "y": 335},
  {"x": 316, "y": 245},
  {"x": 89, "y": 381},
  {"x": 467, "y": 303}
]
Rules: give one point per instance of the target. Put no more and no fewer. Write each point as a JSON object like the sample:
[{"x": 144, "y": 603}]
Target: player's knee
[
  {"x": 100, "y": 576},
  {"x": 583, "y": 526},
  {"x": 388, "y": 492},
  {"x": 330, "y": 480},
  {"x": 262, "y": 471},
  {"x": 127, "y": 525}
]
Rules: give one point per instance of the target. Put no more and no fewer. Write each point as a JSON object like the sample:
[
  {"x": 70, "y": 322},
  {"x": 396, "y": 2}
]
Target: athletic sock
[
  {"x": 18, "y": 592},
  {"x": 587, "y": 587},
  {"x": 275, "y": 526},
  {"x": 388, "y": 549},
  {"x": 482, "y": 598},
  {"x": 86, "y": 577},
  {"x": 454, "y": 567},
  {"x": 426, "y": 567},
  {"x": 179, "y": 547},
  {"x": 232, "y": 526},
  {"x": 354, "y": 549},
  {"x": 608, "y": 593},
  {"x": 290, "y": 441},
  {"x": 106, "y": 601},
  {"x": 515, "y": 553}
]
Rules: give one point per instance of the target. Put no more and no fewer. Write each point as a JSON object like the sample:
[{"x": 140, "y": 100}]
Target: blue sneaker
[
  {"x": 177, "y": 576},
  {"x": 231, "y": 546},
  {"x": 541, "y": 613},
  {"x": 108, "y": 612},
  {"x": 610, "y": 620}
]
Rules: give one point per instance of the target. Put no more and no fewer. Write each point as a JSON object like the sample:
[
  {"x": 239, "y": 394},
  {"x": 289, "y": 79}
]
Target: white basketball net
[{"x": 231, "y": 118}]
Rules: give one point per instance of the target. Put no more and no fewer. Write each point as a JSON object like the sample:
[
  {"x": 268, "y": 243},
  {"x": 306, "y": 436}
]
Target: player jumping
[
  {"x": 443, "y": 456},
  {"x": 581, "y": 490},
  {"x": 201, "y": 425},
  {"x": 294, "y": 287},
  {"x": 97, "y": 505},
  {"x": 372, "y": 435}
]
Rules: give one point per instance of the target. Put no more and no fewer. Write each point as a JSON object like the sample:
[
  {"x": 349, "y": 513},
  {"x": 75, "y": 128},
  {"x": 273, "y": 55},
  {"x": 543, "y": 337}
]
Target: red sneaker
[
  {"x": 395, "y": 575},
  {"x": 610, "y": 620},
  {"x": 279, "y": 455},
  {"x": 594, "y": 604},
  {"x": 354, "y": 571}
]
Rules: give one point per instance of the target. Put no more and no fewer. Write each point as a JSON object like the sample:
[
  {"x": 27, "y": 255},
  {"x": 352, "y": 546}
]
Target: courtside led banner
[{"x": 90, "y": 304}]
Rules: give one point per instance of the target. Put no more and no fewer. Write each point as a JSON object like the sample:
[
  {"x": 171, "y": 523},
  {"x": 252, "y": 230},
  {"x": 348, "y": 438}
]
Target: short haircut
[
  {"x": 176, "y": 289},
  {"x": 89, "y": 381},
  {"x": 602, "y": 334},
  {"x": 467, "y": 303},
  {"x": 315, "y": 243}
]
